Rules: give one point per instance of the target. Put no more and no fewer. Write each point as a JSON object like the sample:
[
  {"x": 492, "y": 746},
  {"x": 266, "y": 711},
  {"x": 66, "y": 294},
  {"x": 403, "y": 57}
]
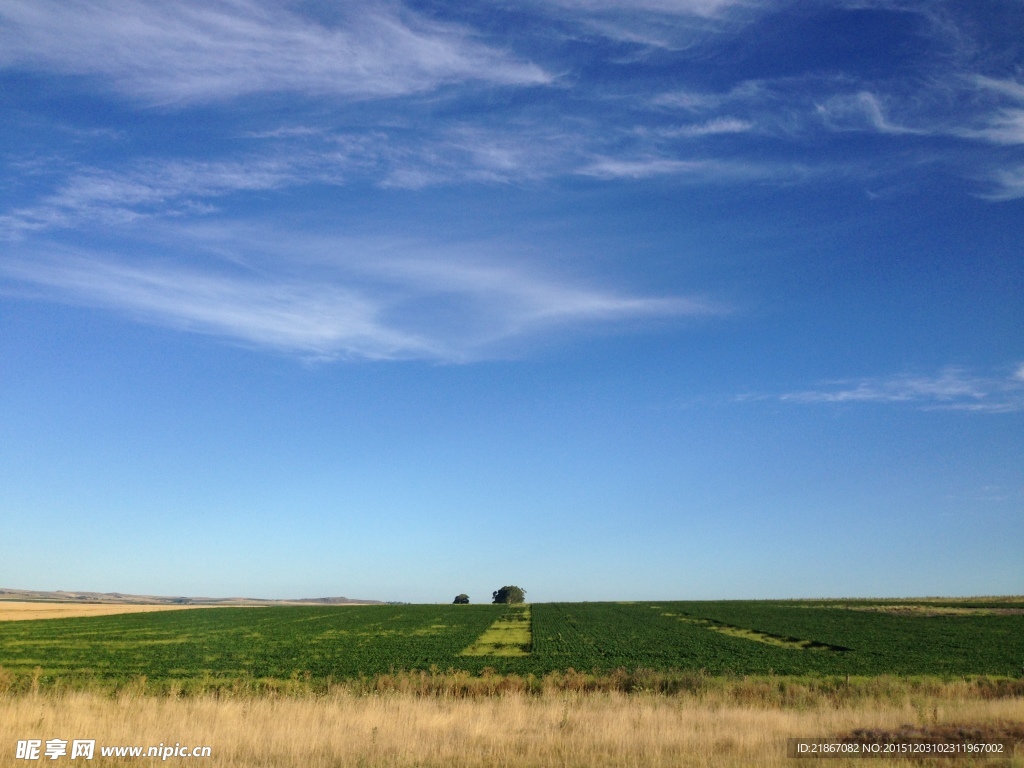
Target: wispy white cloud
[
  {"x": 982, "y": 116},
  {"x": 689, "y": 100},
  {"x": 173, "y": 51},
  {"x": 1006, "y": 87},
  {"x": 1005, "y": 184},
  {"x": 963, "y": 106},
  {"x": 702, "y": 171},
  {"x": 650, "y": 24},
  {"x": 955, "y": 104},
  {"x": 285, "y": 132},
  {"x": 307, "y": 318},
  {"x": 615, "y": 168},
  {"x": 744, "y": 93},
  {"x": 714, "y": 127},
  {"x": 184, "y": 51},
  {"x": 149, "y": 187},
  {"x": 486, "y": 154},
  {"x": 164, "y": 187},
  {"x": 391, "y": 156},
  {"x": 859, "y": 111},
  {"x": 950, "y": 389},
  {"x": 1003, "y": 127},
  {"x": 792, "y": 108},
  {"x": 332, "y": 298},
  {"x": 703, "y": 8}
]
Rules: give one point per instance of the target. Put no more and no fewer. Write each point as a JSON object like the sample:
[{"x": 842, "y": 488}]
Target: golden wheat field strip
[
  {"x": 24, "y": 611},
  {"x": 566, "y": 730}
]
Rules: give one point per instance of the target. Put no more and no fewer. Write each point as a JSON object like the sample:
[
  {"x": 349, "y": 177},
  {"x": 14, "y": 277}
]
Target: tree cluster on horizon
[{"x": 510, "y": 594}]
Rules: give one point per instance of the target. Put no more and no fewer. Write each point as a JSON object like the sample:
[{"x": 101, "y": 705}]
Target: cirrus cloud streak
[
  {"x": 335, "y": 298},
  {"x": 179, "y": 52},
  {"x": 953, "y": 389}
]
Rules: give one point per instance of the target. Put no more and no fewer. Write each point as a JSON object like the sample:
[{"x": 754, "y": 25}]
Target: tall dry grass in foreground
[{"x": 400, "y": 729}]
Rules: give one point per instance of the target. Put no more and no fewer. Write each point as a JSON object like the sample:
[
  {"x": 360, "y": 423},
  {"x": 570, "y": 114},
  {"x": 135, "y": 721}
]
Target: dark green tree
[
  {"x": 461, "y": 600},
  {"x": 510, "y": 595}
]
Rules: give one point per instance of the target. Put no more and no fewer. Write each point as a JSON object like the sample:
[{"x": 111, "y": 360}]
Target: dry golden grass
[
  {"x": 934, "y": 610},
  {"x": 565, "y": 730},
  {"x": 11, "y": 610}
]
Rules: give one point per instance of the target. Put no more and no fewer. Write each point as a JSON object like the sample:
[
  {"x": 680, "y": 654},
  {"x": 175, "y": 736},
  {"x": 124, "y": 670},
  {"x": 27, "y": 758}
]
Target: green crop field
[
  {"x": 822, "y": 638},
  {"x": 946, "y": 638}
]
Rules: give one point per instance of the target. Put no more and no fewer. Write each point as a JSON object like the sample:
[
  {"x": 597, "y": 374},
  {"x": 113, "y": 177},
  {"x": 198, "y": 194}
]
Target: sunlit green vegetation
[
  {"x": 609, "y": 635},
  {"x": 757, "y": 636},
  {"x": 511, "y": 635},
  {"x": 710, "y": 638}
]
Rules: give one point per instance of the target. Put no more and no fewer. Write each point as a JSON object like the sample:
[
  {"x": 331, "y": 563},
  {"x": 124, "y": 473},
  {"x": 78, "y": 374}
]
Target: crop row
[
  {"x": 257, "y": 642},
  {"x": 369, "y": 640}
]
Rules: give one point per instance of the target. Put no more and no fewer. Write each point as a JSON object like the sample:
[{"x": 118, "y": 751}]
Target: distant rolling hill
[{"x": 61, "y": 596}]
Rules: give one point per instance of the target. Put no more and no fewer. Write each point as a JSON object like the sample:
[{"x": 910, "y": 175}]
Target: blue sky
[{"x": 611, "y": 300}]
